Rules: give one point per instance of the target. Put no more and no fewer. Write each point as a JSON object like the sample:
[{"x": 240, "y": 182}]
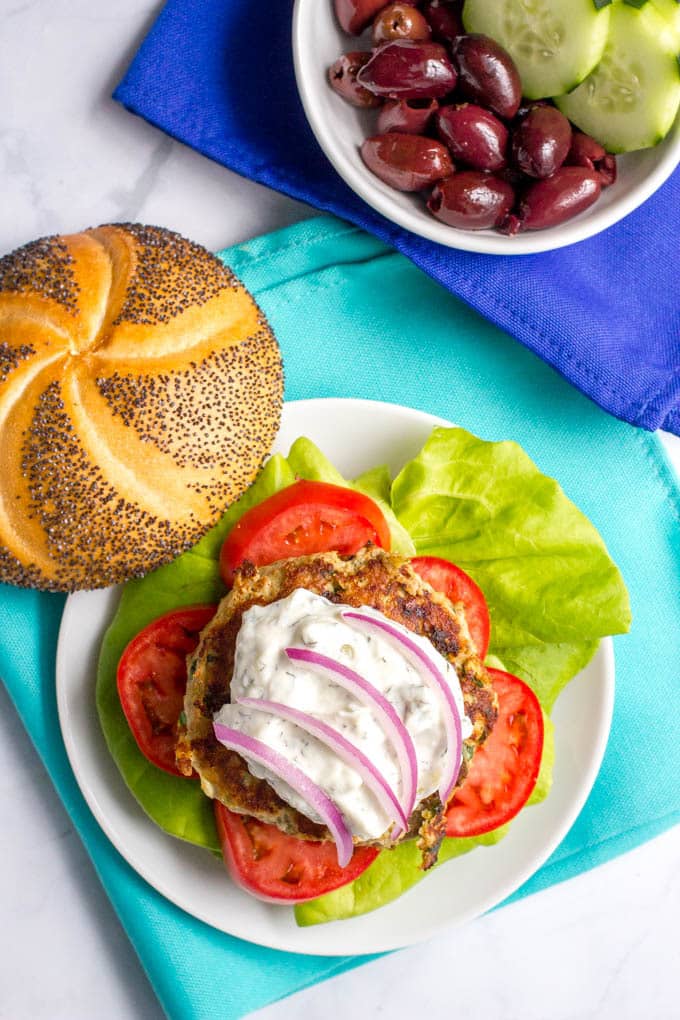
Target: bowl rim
[{"x": 374, "y": 193}]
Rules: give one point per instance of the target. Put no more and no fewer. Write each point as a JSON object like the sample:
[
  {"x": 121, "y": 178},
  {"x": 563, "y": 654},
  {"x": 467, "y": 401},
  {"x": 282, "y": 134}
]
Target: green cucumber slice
[
  {"x": 670, "y": 12},
  {"x": 632, "y": 97},
  {"x": 554, "y": 44}
]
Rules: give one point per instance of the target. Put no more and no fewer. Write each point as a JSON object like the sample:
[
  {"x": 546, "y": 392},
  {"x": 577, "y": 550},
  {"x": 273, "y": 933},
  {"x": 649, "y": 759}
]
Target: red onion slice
[
  {"x": 297, "y": 780},
  {"x": 398, "y": 735},
  {"x": 344, "y": 749},
  {"x": 436, "y": 679}
]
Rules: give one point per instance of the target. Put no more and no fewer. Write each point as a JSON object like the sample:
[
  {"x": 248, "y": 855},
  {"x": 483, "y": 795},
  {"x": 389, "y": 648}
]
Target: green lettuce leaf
[
  {"x": 553, "y": 590},
  {"x": 546, "y": 668}
]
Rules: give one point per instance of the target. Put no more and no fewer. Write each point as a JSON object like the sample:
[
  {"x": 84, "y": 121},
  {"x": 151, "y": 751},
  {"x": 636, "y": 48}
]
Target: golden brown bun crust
[{"x": 140, "y": 391}]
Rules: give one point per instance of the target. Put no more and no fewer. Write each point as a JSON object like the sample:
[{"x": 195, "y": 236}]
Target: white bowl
[{"x": 340, "y": 129}]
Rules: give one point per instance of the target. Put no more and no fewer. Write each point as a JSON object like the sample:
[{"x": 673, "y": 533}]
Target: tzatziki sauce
[{"x": 263, "y": 670}]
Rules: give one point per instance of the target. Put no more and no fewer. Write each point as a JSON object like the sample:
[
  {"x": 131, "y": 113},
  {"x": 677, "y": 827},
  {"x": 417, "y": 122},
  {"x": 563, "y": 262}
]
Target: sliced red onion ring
[
  {"x": 344, "y": 749},
  {"x": 436, "y": 679},
  {"x": 398, "y": 735},
  {"x": 297, "y": 780}
]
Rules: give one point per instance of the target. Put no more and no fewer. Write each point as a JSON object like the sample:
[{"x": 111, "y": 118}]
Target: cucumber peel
[
  {"x": 631, "y": 99},
  {"x": 554, "y": 44}
]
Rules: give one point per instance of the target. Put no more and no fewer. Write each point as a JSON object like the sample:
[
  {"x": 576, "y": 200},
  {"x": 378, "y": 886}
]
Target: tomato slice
[
  {"x": 458, "y": 586},
  {"x": 152, "y": 679},
  {"x": 279, "y": 868},
  {"x": 304, "y": 518},
  {"x": 505, "y": 768}
]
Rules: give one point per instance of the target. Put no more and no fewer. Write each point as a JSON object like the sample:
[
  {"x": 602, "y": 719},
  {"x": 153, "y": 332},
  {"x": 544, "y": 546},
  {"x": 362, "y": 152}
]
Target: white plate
[
  {"x": 356, "y": 435},
  {"x": 340, "y": 129}
]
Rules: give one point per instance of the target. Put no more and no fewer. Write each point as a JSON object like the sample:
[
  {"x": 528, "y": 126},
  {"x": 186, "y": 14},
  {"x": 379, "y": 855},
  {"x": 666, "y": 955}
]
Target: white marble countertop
[{"x": 603, "y": 945}]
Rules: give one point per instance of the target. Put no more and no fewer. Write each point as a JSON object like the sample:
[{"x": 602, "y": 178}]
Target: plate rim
[{"x": 605, "y": 650}]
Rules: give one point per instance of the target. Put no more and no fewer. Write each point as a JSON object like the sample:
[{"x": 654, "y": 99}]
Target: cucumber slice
[
  {"x": 554, "y": 44},
  {"x": 632, "y": 97},
  {"x": 670, "y": 12}
]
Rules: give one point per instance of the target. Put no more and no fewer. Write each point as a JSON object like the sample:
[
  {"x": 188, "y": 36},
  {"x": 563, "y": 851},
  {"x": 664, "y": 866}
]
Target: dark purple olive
[
  {"x": 473, "y": 135},
  {"x": 541, "y": 141},
  {"x": 606, "y": 170},
  {"x": 549, "y": 202},
  {"x": 409, "y": 70},
  {"x": 585, "y": 151},
  {"x": 355, "y": 15},
  {"x": 515, "y": 177},
  {"x": 472, "y": 200},
  {"x": 406, "y": 162},
  {"x": 445, "y": 19},
  {"x": 487, "y": 74},
  {"x": 410, "y": 116},
  {"x": 528, "y": 105},
  {"x": 343, "y": 78},
  {"x": 510, "y": 225},
  {"x": 400, "y": 21}
]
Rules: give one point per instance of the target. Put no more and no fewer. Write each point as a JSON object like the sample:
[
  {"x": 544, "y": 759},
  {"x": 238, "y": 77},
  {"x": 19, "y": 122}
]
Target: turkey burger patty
[{"x": 373, "y": 578}]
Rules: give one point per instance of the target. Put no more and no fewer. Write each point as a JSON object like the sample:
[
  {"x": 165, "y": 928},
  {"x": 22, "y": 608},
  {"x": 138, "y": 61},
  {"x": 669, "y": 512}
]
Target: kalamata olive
[
  {"x": 409, "y": 70},
  {"x": 406, "y": 162},
  {"x": 551, "y": 201},
  {"x": 528, "y": 105},
  {"x": 472, "y": 200},
  {"x": 408, "y": 115},
  {"x": 585, "y": 151},
  {"x": 355, "y": 15},
  {"x": 445, "y": 19},
  {"x": 343, "y": 78},
  {"x": 515, "y": 177},
  {"x": 487, "y": 74},
  {"x": 606, "y": 170},
  {"x": 473, "y": 135},
  {"x": 541, "y": 141},
  {"x": 400, "y": 21}
]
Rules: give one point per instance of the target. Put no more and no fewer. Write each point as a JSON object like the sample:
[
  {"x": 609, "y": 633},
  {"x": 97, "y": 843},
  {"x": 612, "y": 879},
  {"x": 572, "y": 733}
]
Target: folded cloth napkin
[
  {"x": 218, "y": 75},
  {"x": 329, "y": 292}
]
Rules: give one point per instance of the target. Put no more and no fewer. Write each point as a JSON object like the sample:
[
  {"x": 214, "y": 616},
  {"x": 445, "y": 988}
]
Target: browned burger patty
[{"x": 371, "y": 578}]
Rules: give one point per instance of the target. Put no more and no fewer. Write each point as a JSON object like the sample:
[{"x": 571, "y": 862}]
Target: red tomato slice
[
  {"x": 305, "y": 518},
  {"x": 458, "y": 586},
  {"x": 279, "y": 868},
  {"x": 152, "y": 679},
  {"x": 505, "y": 768}
]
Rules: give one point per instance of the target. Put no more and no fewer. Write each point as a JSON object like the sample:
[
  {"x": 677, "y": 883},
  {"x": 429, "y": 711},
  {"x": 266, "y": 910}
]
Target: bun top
[{"x": 140, "y": 391}]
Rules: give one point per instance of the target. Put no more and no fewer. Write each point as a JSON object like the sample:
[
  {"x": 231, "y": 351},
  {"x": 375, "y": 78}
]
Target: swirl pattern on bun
[{"x": 140, "y": 391}]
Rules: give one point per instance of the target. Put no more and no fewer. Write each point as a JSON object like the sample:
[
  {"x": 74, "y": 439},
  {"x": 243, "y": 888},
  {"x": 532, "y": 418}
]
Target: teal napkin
[{"x": 355, "y": 318}]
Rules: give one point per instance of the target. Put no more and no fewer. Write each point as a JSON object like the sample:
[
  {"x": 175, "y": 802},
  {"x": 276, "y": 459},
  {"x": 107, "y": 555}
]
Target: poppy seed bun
[{"x": 140, "y": 391}]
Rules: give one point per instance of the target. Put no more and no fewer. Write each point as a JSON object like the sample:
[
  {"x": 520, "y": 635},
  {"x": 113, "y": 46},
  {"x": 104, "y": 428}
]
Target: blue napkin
[
  {"x": 218, "y": 75},
  {"x": 328, "y": 291}
]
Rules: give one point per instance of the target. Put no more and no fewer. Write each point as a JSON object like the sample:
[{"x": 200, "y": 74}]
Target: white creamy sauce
[{"x": 263, "y": 670}]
